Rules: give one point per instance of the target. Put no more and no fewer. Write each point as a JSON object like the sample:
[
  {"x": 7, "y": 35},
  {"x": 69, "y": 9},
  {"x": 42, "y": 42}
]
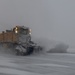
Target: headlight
[
  {"x": 29, "y": 31},
  {"x": 16, "y": 31}
]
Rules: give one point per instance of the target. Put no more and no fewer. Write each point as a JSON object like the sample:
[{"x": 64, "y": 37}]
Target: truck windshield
[{"x": 25, "y": 31}]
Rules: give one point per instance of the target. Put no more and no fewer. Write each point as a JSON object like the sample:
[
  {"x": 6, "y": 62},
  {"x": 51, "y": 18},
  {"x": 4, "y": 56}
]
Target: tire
[
  {"x": 29, "y": 51},
  {"x": 17, "y": 52}
]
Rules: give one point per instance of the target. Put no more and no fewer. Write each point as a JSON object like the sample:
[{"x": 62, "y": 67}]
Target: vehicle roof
[{"x": 24, "y": 27}]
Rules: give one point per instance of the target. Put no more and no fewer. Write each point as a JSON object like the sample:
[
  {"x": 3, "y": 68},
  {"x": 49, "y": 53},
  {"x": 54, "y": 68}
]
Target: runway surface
[{"x": 38, "y": 64}]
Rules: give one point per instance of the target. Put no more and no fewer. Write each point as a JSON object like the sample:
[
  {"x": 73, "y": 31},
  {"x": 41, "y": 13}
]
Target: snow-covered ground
[{"x": 38, "y": 64}]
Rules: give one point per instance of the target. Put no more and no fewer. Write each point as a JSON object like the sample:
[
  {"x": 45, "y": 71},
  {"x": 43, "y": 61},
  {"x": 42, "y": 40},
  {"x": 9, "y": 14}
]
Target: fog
[{"x": 51, "y": 19}]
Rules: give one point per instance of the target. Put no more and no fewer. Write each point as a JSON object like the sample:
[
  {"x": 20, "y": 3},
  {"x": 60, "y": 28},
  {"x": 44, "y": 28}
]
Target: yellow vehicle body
[
  {"x": 9, "y": 37},
  {"x": 12, "y": 36}
]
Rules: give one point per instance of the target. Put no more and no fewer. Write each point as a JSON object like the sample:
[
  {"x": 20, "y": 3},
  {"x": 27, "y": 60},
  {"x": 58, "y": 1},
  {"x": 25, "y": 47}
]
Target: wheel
[
  {"x": 17, "y": 52},
  {"x": 30, "y": 50}
]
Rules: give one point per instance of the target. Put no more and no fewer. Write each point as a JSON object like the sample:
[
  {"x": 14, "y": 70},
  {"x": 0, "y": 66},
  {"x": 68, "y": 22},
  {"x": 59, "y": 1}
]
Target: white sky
[{"x": 52, "y": 19}]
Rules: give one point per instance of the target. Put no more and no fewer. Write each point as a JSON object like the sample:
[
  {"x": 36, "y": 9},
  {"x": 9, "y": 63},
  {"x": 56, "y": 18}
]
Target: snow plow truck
[{"x": 19, "y": 38}]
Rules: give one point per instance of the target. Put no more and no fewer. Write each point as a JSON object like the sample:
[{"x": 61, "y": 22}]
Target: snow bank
[
  {"x": 51, "y": 45},
  {"x": 59, "y": 48}
]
